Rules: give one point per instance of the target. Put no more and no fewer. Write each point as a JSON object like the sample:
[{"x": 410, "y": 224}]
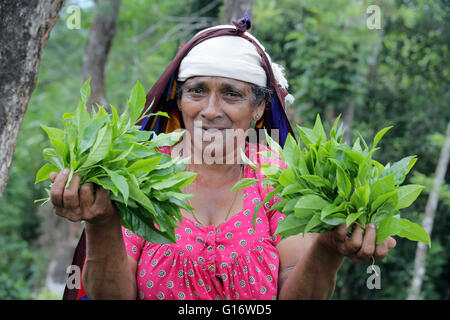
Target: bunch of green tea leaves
[
  {"x": 111, "y": 151},
  {"x": 328, "y": 183}
]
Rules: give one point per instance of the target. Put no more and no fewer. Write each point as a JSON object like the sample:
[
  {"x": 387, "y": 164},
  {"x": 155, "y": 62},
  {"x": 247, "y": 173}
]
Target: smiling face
[{"x": 216, "y": 107}]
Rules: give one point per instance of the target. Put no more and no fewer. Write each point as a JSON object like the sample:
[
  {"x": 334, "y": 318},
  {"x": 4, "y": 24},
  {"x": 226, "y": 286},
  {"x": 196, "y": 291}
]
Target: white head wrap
[{"x": 231, "y": 57}]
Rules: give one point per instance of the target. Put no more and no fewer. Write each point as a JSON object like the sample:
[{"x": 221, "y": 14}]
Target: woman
[{"x": 217, "y": 83}]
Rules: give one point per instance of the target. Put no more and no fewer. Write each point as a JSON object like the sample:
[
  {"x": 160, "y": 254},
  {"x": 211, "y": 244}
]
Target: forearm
[
  {"x": 107, "y": 271},
  {"x": 313, "y": 277}
]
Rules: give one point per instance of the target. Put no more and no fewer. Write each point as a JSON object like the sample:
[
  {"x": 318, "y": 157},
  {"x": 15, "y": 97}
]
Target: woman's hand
[
  {"x": 360, "y": 247},
  {"x": 79, "y": 203}
]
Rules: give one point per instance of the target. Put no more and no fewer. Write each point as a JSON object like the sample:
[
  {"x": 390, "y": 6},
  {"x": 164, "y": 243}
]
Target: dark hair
[{"x": 259, "y": 93}]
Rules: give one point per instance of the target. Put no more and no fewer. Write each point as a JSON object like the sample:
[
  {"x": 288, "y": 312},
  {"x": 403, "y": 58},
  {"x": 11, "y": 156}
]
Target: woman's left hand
[{"x": 361, "y": 246}]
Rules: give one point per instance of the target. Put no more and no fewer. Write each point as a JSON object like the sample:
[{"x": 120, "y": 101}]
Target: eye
[
  {"x": 233, "y": 94},
  {"x": 196, "y": 90}
]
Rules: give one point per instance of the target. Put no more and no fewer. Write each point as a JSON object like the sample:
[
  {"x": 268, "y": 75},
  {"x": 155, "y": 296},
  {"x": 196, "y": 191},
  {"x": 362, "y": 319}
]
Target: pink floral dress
[{"x": 231, "y": 261}]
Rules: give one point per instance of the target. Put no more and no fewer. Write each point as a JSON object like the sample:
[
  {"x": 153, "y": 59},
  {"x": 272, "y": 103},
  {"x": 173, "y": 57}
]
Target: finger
[
  {"x": 53, "y": 176},
  {"x": 102, "y": 200},
  {"x": 70, "y": 198},
  {"x": 381, "y": 250},
  {"x": 354, "y": 244},
  {"x": 56, "y": 193},
  {"x": 391, "y": 243},
  {"x": 86, "y": 195},
  {"x": 67, "y": 214},
  {"x": 340, "y": 235},
  {"x": 59, "y": 211},
  {"x": 368, "y": 245}
]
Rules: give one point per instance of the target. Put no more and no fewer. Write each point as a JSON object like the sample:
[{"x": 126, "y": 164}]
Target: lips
[
  {"x": 206, "y": 128},
  {"x": 209, "y": 133}
]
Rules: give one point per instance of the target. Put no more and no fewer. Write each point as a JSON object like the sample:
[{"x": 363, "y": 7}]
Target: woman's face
[{"x": 214, "y": 109}]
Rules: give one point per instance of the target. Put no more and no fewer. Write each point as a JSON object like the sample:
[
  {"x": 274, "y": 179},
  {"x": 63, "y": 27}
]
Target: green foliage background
[{"x": 397, "y": 75}]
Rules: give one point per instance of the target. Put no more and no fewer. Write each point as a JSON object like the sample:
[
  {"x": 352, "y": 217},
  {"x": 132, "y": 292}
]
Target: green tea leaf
[
  {"x": 382, "y": 186},
  {"x": 105, "y": 182},
  {"x": 44, "y": 172},
  {"x": 318, "y": 132},
  {"x": 56, "y": 137},
  {"x": 100, "y": 148},
  {"x": 137, "y": 195},
  {"x": 143, "y": 225},
  {"x": 289, "y": 151},
  {"x": 361, "y": 196},
  {"x": 272, "y": 144},
  {"x": 52, "y": 156},
  {"x": 90, "y": 133},
  {"x": 270, "y": 171},
  {"x": 333, "y": 208},
  {"x": 85, "y": 91},
  {"x": 311, "y": 202},
  {"x": 400, "y": 169},
  {"x": 249, "y": 162},
  {"x": 124, "y": 121},
  {"x": 306, "y": 135},
  {"x": 145, "y": 165},
  {"x": 136, "y": 101},
  {"x": 120, "y": 182},
  {"x": 287, "y": 177},
  {"x": 67, "y": 115},
  {"x": 408, "y": 194},
  {"x": 114, "y": 121},
  {"x": 380, "y": 135},
  {"x": 316, "y": 180},
  {"x": 53, "y": 133},
  {"x": 82, "y": 119},
  {"x": 294, "y": 188},
  {"x": 333, "y": 220},
  {"x": 343, "y": 183},
  {"x": 351, "y": 218},
  {"x": 290, "y": 226},
  {"x": 414, "y": 232},
  {"x": 312, "y": 223},
  {"x": 387, "y": 228},
  {"x": 178, "y": 180},
  {"x": 122, "y": 154},
  {"x": 166, "y": 139},
  {"x": 333, "y": 132},
  {"x": 391, "y": 197},
  {"x": 244, "y": 183}
]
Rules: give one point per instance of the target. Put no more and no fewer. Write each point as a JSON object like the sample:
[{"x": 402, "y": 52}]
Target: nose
[{"x": 212, "y": 110}]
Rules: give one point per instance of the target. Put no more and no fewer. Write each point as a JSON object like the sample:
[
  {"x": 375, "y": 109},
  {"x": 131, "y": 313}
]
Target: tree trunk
[
  {"x": 25, "y": 27},
  {"x": 235, "y": 9},
  {"x": 100, "y": 39},
  {"x": 433, "y": 198}
]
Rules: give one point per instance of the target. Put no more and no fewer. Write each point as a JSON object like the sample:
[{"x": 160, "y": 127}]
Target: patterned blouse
[{"x": 230, "y": 261}]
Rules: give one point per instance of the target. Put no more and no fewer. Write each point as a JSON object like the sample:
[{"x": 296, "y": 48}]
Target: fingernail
[
  {"x": 371, "y": 225},
  {"x": 66, "y": 171}
]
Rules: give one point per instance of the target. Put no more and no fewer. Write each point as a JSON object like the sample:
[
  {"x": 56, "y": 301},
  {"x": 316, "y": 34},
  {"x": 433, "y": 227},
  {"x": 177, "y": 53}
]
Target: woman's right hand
[{"x": 80, "y": 203}]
